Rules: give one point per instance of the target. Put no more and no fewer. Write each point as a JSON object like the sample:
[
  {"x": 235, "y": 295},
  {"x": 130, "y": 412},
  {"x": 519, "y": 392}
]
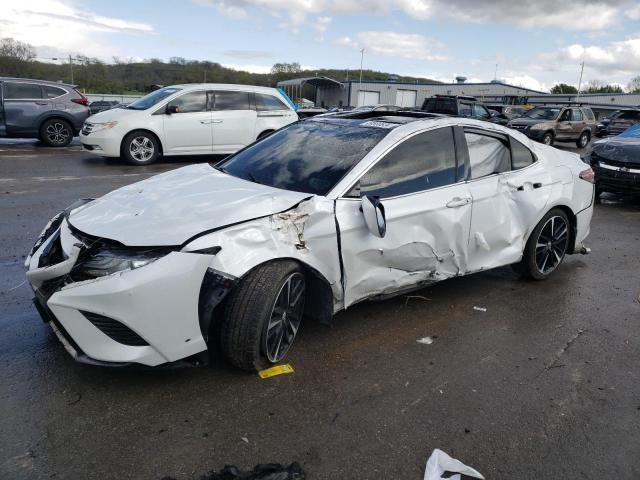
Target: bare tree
[
  {"x": 634, "y": 85},
  {"x": 17, "y": 50}
]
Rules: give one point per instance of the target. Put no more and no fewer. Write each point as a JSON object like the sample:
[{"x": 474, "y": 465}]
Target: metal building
[{"x": 332, "y": 93}]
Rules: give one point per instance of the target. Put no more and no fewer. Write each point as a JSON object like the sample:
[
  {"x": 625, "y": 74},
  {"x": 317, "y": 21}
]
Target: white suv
[{"x": 187, "y": 120}]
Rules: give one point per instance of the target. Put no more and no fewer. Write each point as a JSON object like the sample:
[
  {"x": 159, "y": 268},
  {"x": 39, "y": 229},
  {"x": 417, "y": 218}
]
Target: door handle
[
  {"x": 205, "y": 122},
  {"x": 458, "y": 202},
  {"x": 42, "y": 103},
  {"x": 537, "y": 185},
  {"x": 216, "y": 121}
]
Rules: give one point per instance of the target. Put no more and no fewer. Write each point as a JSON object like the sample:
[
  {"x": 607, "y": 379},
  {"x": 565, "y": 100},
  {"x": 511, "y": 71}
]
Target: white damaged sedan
[{"x": 319, "y": 215}]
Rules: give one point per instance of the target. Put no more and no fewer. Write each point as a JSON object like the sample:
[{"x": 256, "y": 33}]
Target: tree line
[{"x": 18, "y": 59}]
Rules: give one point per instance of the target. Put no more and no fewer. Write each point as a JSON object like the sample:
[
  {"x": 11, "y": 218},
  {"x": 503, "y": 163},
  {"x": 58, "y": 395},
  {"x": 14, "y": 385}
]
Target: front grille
[
  {"x": 115, "y": 330},
  {"x": 87, "y": 128}
]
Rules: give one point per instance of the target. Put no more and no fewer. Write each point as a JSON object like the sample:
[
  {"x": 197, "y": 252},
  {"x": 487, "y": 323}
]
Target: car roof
[
  {"x": 35, "y": 80},
  {"x": 223, "y": 86}
]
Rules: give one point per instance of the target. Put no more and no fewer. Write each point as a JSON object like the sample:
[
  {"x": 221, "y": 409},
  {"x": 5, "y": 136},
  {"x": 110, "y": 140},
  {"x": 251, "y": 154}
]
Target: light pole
[
  {"x": 361, "y": 61},
  {"x": 580, "y": 82}
]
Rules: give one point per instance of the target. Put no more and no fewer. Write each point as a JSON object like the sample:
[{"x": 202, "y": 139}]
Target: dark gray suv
[{"x": 52, "y": 112}]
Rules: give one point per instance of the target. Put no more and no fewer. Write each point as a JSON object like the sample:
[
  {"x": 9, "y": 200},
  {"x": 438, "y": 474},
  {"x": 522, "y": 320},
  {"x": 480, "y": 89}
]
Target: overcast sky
[{"x": 534, "y": 43}]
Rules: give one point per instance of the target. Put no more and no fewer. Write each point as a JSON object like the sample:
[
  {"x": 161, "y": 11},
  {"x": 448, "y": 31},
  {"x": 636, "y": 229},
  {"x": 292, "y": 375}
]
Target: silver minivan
[{"x": 53, "y": 112}]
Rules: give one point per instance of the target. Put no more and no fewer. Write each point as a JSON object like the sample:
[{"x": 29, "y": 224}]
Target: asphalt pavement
[{"x": 543, "y": 384}]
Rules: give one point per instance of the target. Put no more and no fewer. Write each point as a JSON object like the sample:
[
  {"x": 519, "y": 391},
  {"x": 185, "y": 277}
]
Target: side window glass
[
  {"x": 231, "y": 101},
  {"x": 424, "y": 161},
  {"x": 268, "y": 102},
  {"x": 565, "y": 116},
  {"x": 190, "y": 102},
  {"x": 521, "y": 156},
  {"x": 53, "y": 92},
  {"x": 465, "y": 110},
  {"x": 487, "y": 155},
  {"x": 588, "y": 113},
  {"x": 22, "y": 91},
  {"x": 479, "y": 111},
  {"x": 576, "y": 115}
]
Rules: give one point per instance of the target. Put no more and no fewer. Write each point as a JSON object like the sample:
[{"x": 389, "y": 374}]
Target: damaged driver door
[{"x": 423, "y": 212}]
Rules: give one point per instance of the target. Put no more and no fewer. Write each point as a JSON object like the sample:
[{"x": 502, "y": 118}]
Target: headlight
[
  {"x": 106, "y": 262},
  {"x": 538, "y": 126},
  {"x": 103, "y": 126}
]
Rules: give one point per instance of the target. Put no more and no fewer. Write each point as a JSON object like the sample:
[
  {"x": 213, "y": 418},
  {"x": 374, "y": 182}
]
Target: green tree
[
  {"x": 286, "y": 68},
  {"x": 17, "y": 50},
  {"x": 563, "y": 88},
  {"x": 598, "y": 86}
]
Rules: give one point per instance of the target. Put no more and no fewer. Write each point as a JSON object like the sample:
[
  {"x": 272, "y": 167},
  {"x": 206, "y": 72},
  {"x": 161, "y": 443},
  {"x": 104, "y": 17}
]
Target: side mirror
[
  {"x": 172, "y": 109},
  {"x": 374, "y": 216}
]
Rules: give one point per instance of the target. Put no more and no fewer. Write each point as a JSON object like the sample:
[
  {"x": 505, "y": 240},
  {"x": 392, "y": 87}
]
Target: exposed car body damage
[{"x": 156, "y": 260}]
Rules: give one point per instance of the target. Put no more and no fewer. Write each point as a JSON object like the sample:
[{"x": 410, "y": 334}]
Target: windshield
[
  {"x": 309, "y": 157},
  {"x": 150, "y": 100},
  {"x": 543, "y": 113}
]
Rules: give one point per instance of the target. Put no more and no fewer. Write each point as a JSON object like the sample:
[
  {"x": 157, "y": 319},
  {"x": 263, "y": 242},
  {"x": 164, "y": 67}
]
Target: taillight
[
  {"x": 82, "y": 100},
  {"x": 588, "y": 175}
]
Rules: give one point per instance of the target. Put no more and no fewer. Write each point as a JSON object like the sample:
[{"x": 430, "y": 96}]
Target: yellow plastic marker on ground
[{"x": 277, "y": 370}]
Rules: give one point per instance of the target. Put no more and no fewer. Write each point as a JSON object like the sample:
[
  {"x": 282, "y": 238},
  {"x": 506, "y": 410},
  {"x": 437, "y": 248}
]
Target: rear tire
[
  {"x": 56, "y": 132},
  {"x": 262, "y": 316},
  {"x": 140, "y": 148},
  {"x": 547, "y": 139},
  {"x": 547, "y": 246},
  {"x": 583, "y": 141}
]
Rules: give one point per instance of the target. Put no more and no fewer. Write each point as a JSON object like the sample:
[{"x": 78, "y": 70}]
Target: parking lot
[{"x": 539, "y": 381}]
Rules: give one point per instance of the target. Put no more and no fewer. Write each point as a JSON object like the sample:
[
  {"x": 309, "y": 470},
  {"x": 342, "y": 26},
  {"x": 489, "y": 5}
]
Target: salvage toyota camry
[{"x": 320, "y": 215}]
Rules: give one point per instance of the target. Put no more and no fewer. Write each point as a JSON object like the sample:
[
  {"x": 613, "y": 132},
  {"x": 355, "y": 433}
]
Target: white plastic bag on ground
[{"x": 439, "y": 462}]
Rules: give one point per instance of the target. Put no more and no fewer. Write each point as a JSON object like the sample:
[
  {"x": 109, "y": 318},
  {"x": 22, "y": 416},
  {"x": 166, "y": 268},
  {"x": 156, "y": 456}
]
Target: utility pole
[
  {"x": 580, "y": 82},
  {"x": 71, "y": 67},
  {"x": 361, "y": 60},
  {"x": 495, "y": 74}
]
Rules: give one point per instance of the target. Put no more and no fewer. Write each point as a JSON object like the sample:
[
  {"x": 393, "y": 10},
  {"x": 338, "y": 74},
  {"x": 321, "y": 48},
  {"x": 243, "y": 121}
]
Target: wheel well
[{"x": 141, "y": 130}]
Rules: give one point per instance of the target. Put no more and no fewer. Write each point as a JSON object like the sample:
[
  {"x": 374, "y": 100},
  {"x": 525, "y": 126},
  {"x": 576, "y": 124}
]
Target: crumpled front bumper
[{"x": 156, "y": 305}]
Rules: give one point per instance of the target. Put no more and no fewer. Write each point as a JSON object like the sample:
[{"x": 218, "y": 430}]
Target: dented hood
[{"x": 170, "y": 208}]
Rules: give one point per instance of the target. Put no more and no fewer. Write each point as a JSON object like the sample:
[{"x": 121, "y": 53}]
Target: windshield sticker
[{"x": 373, "y": 123}]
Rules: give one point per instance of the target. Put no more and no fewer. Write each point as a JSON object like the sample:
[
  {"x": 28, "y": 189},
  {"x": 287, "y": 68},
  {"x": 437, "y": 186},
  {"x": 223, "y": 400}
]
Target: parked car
[
  {"x": 102, "y": 105},
  {"x": 191, "y": 119},
  {"x": 456, "y": 105},
  {"x": 308, "y": 221},
  {"x": 557, "y": 123},
  {"x": 618, "y": 122},
  {"x": 52, "y": 112},
  {"x": 616, "y": 163}
]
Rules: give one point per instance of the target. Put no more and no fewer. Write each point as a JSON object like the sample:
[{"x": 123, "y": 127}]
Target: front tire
[
  {"x": 547, "y": 246},
  {"x": 547, "y": 139},
  {"x": 583, "y": 141},
  {"x": 262, "y": 316},
  {"x": 140, "y": 148},
  {"x": 56, "y": 133}
]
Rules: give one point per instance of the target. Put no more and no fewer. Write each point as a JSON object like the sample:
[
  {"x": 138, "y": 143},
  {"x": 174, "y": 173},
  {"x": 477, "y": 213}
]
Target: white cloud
[
  {"x": 526, "y": 81},
  {"x": 634, "y": 12},
  {"x": 394, "y": 44},
  {"x": 615, "y": 58},
  {"x": 566, "y": 15},
  {"x": 59, "y": 26}
]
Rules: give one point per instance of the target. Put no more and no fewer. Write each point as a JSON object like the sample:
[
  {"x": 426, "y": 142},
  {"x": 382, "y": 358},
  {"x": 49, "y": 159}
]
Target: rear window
[
  {"x": 53, "y": 92},
  {"x": 22, "y": 91},
  {"x": 588, "y": 113},
  {"x": 441, "y": 105},
  {"x": 310, "y": 156},
  {"x": 269, "y": 102},
  {"x": 231, "y": 101}
]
